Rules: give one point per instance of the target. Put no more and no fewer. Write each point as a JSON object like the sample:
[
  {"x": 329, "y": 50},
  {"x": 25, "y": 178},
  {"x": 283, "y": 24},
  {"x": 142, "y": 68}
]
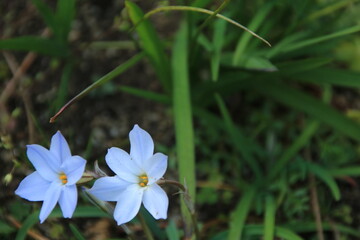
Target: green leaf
[
  {"x": 240, "y": 141},
  {"x": 151, "y": 44},
  {"x": 80, "y": 211},
  {"x": 5, "y": 228},
  {"x": 245, "y": 38},
  {"x": 172, "y": 232},
  {"x": 65, "y": 13},
  {"x": 184, "y": 132},
  {"x": 301, "y": 101},
  {"x": 156, "y": 97},
  {"x": 294, "y": 148},
  {"x": 280, "y": 232},
  {"x": 76, "y": 232},
  {"x": 326, "y": 177},
  {"x": 46, "y": 13},
  {"x": 306, "y": 227},
  {"x": 107, "y": 77},
  {"x": 238, "y": 216},
  {"x": 35, "y": 44},
  {"x": 269, "y": 223},
  {"x": 218, "y": 41},
  {"x": 353, "y": 171},
  {"x": 338, "y": 77},
  {"x": 309, "y": 42}
]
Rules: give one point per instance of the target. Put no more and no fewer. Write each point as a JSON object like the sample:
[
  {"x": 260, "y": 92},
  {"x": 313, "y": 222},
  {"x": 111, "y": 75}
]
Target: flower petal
[
  {"x": 68, "y": 199},
  {"x": 73, "y": 167},
  {"x": 45, "y": 163},
  {"x": 108, "y": 188},
  {"x": 156, "y": 201},
  {"x": 155, "y": 167},
  {"x": 51, "y": 197},
  {"x": 128, "y": 204},
  {"x": 59, "y": 147},
  {"x": 120, "y": 162},
  {"x": 141, "y": 145},
  {"x": 33, "y": 187}
]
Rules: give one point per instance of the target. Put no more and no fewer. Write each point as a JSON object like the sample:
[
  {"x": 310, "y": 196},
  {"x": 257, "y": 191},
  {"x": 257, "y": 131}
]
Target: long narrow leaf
[
  {"x": 238, "y": 217},
  {"x": 296, "y": 146},
  {"x": 281, "y": 232},
  {"x": 151, "y": 44},
  {"x": 65, "y": 14},
  {"x": 184, "y": 131},
  {"x": 35, "y": 44},
  {"x": 156, "y": 97},
  {"x": 46, "y": 13},
  {"x": 237, "y": 137},
  {"x": 326, "y": 178},
  {"x": 353, "y": 171},
  {"x": 301, "y": 101},
  {"x": 269, "y": 224},
  {"x": 114, "y": 73}
]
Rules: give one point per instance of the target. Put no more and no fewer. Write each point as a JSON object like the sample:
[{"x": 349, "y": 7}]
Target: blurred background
[{"x": 265, "y": 138}]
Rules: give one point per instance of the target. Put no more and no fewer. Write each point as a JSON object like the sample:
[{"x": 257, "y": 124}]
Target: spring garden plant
[{"x": 265, "y": 172}]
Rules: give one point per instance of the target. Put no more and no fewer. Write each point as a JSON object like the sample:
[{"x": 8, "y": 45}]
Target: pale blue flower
[
  {"x": 55, "y": 177},
  {"x": 135, "y": 180}
]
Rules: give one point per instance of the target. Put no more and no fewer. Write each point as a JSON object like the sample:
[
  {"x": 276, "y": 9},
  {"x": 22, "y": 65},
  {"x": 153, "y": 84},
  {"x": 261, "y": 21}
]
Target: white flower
[
  {"x": 55, "y": 177},
  {"x": 135, "y": 180}
]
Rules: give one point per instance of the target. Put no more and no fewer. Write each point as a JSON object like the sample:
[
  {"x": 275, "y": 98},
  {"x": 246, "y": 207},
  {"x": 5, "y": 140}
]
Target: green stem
[
  {"x": 147, "y": 231},
  {"x": 201, "y": 10}
]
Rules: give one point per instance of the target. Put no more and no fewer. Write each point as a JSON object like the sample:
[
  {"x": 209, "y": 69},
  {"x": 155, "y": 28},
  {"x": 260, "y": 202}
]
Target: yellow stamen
[
  {"x": 63, "y": 178},
  {"x": 143, "y": 180}
]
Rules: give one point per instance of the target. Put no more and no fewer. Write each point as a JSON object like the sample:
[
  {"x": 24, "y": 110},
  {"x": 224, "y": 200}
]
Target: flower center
[
  {"x": 63, "y": 178},
  {"x": 143, "y": 180}
]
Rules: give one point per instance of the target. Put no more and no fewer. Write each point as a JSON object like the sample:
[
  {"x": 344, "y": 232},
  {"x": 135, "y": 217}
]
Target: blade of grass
[
  {"x": 77, "y": 234},
  {"x": 35, "y": 44},
  {"x": 114, "y": 73},
  {"x": 65, "y": 13},
  {"x": 172, "y": 232},
  {"x": 218, "y": 41},
  {"x": 269, "y": 224},
  {"x": 353, "y": 171},
  {"x": 184, "y": 132},
  {"x": 201, "y": 10},
  {"x": 238, "y": 216},
  {"x": 63, "y": 88},
  {"x": 295, "y": 147},
  {"x": 81, "y": 211},
  {"x": 245, "y": 38},
  {"x": 308, "y": 227},
  {"x": 326, "y": 177},
  {"x": 308, "y": 104},
  {"x": 280, "y": 232},
  {"x": 338, "y": 77},
  {"x": 46, "y": 13},
  {"x": 316, "y": 40},
  {"x": 151, "y": 44},
  {"x": 238, "y": 138},
  {"x": 156, "y": 97}
]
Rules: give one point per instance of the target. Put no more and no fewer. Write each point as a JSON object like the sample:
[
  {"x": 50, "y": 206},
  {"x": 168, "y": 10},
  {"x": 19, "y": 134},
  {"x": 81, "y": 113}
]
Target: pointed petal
[
  {"x": 155, "y": 167},
  {"x": 51, "y": 197},
  {"x": 73, "y": 167},
  {"x": 128, "y": 204},
  {"x": 68, "y": 199},
  {"x": 142, "y": 145},
  {"x": 108, "y": 188},
  {"x": 59, "y": 147},
  {"x": 120, "y": 162},
  {"x": 156, "y": 201},
  {"x": 33, "y": 187},
  {"x": 45, "y": 163}
]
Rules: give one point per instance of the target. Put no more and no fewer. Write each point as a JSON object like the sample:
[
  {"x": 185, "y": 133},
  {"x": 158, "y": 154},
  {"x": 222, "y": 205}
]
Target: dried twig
[{"x": 30, "y": 232}]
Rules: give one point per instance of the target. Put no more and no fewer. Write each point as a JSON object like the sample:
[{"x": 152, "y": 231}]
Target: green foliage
[{"x": 258, "y": 120}]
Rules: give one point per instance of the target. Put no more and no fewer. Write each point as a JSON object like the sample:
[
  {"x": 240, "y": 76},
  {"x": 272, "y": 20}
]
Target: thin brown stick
[
  {"x": 30, "y": 232},
  {"x": 315, "y": 202}
]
